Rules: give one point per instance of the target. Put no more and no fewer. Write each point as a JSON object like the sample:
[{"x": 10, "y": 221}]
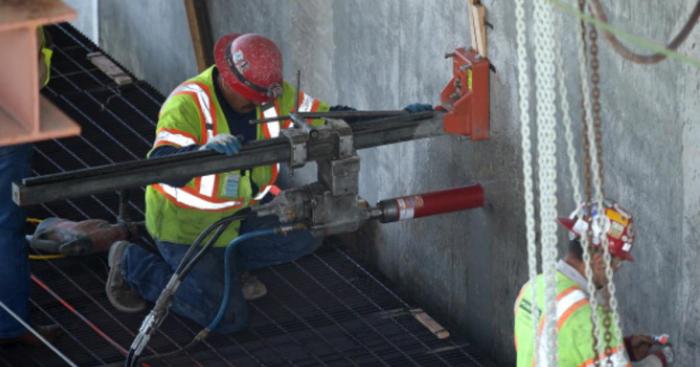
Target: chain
[
  {"x": 586, "y": 239},
  {"x": 595, "y": 93},
  {"x": 611, "y": 316},
  {"x": 524, "y": 94},
  {"x": 547, "y": 174}
]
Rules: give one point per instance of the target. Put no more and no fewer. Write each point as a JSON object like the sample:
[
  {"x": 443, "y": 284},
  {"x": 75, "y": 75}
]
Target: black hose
[{"x": 185, "y": 266}]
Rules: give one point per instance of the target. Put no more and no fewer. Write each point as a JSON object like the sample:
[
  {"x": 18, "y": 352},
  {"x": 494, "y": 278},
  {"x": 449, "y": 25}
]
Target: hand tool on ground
[{"x": 63, "y": 236}]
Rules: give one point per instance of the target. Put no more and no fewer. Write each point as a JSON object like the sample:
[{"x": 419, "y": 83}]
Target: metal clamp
[
  {"x": 297, "y": 142},
  {"x": 346, "y": 145}
]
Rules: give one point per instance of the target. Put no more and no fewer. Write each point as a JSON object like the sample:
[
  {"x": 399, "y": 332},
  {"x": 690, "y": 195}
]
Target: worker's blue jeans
[
  {"x": 199, "y": 295},
  {"x": 14, "y": 266}
]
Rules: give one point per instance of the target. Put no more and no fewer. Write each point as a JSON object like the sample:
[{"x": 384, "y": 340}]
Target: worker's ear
[{"x": 597, "y": 257}]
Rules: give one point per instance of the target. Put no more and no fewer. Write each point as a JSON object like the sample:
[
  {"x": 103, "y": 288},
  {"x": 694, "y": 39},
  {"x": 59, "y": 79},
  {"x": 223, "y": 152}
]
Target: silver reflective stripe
[
  {"x": 184, "y": 197},
  {"x": 204, "y": 103},
  {"x": 173, "y": 138},
  {"x": 264, "y": 192},
  {"x": 274, "y": 126},
  {"x": 206, "y": 185},
  {"x": 564, "y": 304},
  {"x": 306, "y": 104}
]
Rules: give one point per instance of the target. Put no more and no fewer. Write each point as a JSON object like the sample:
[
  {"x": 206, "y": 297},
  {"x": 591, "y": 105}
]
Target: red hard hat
[
  {"x": 617, "y": 225},
  {"x": 251, "y": 65}
]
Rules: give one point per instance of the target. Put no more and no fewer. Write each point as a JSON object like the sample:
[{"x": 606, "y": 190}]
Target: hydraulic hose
[
  {"x": 242, "y": 314},
  {"x": 153, "y": 320}
]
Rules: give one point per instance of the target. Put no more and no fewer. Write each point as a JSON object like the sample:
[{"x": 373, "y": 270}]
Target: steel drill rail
[
  {"x": 138, "y": 173},
  {"x": 335, "y": 115}
]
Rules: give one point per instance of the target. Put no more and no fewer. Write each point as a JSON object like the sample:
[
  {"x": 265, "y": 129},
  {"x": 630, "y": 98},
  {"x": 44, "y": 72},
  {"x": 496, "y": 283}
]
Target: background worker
[
  {"x": 212, "y": 111},
  {"x": 15, "y": 163},
  {"x": 575, "y": 329}
]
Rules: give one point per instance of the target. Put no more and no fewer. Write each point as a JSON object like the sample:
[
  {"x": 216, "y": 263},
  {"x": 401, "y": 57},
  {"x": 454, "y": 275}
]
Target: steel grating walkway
[{"x": 323, "y": 310}]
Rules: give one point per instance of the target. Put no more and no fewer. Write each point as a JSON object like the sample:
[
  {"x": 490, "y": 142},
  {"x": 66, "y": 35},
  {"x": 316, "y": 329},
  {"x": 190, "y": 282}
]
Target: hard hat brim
[{"x": 567, "y": 223}]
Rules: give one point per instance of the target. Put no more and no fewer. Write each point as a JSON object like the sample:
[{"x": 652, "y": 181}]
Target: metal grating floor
[{"x": 323, "y": 310}]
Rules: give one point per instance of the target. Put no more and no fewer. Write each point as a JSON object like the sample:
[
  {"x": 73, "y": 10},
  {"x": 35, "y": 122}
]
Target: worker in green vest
[
  {"x": 573, "y": 311},
  {"x": 15, "y": 163},
  {"x": 212, "y": 111}
]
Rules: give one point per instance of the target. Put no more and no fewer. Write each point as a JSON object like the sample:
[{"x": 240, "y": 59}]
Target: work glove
[
  {"x": 224, "y": 144},
  {"x": 341, "y": 108},
  {"x": 638, "y": 346},
  {"x": 418, "y": 107}
]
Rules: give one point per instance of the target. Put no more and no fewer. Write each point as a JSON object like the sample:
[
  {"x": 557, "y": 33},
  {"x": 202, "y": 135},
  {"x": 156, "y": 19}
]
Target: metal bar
[
  {"x": 144, "y": 172},
  {"x": 198, "y": 20},
  {"x": 334, "y": 115}
]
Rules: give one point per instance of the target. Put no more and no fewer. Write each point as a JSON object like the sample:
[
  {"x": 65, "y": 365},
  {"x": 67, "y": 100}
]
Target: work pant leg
[
  {"x": 14, "y": 265},
  {"x": 265, "y": 251},
  {"x": 199, "y": 295}
]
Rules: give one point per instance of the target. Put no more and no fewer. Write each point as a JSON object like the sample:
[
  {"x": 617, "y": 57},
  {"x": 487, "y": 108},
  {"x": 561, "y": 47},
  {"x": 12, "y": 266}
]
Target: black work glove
[
  {"x": 418, "y": 107},
  {"x": 349, "y": 120}
]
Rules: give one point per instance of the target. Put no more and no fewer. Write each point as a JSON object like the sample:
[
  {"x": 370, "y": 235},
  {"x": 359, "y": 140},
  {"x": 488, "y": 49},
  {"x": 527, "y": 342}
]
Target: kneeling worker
[{"x": 212, "y": 111}]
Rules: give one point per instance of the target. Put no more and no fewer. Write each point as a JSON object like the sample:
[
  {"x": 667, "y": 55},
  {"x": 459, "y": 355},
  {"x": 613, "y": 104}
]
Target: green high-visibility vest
[
  {"x": 192, "y": 114},
  {"x": 574, "y": 325},
  {"x": 46, "y": 54}
]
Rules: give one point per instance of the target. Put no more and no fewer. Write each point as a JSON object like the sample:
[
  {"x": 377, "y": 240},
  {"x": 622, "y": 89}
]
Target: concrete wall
[
  {"x": 466, "y": 268},
  {"x": 87, "y": 20}
]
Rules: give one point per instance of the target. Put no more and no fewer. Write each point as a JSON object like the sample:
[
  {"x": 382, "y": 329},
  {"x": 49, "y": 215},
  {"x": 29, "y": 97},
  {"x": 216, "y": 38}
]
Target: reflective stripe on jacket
[
  {"x": 192, "y": 115},
  {"x": 574, "y": 327}
]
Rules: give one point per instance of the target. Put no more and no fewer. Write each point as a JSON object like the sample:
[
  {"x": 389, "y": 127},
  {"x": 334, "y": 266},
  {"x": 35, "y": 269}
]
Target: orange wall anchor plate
[{"x": 466, "y": 96}]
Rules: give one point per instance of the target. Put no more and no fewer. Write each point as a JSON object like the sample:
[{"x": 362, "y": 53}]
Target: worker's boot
[
  {"x": 120, "y": 295},
  {"x": 48, "y": 332},
  {"x": 252, "y": 287}
]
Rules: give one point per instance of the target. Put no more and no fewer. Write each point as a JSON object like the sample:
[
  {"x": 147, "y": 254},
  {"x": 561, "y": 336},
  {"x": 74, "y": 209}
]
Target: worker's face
[
  {"x": 239, "y": 103},
  {"x": 599, "y": 278}
]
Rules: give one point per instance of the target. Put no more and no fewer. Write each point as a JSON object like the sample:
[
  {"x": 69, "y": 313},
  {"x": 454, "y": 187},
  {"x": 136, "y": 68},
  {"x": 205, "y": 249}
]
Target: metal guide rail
[{"x": 138, "y": 173}]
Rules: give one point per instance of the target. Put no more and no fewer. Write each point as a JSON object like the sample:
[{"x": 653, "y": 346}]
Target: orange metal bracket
[
  {"x": 24, "y": 115},
  {"x": 466, "y": 96}
]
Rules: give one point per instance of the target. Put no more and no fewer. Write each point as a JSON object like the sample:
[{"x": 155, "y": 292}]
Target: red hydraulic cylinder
[{"x": 424, "y": 205}]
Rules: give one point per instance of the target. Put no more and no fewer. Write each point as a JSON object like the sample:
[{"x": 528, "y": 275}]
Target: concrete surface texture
[
  {"x": 87, "y": 20},
  {"x": 466, "y": 268}
]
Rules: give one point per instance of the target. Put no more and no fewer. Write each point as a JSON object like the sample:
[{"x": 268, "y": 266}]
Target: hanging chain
[
  {"x": 597, "y": 127},
  {"x": 526, "y": 136},
  {"x": 586, "y": 240},
  {"x": 595, "y": 93},
  {"x": 611, "y": 317},
  {"x": 546, "y": 136}
]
